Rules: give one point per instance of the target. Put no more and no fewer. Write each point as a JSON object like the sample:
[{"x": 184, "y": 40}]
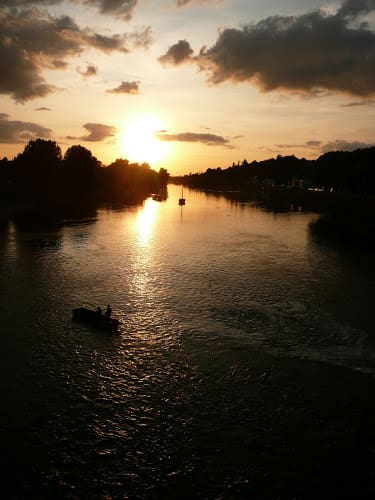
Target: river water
[{"x": 135, "y": 415}]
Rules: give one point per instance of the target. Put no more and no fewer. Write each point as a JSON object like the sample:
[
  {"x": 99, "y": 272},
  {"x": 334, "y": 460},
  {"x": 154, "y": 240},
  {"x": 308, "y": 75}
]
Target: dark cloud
[
  {"x": 306, "y": 53},
  {"x": 342, "y": 145},
  {"x": 337, "y": 145},
  {"x": 43, "y": 108},
  {"x": 119, "y": 8},
  {"x": 97, "y": 132},
  {"x": 290, "y": 146},
  {"x": 178, "y": 53},
  {"x": 354, "y": 8},
  {"x": 141, "y": 38},
  {"x": 208, "y": 139},
  {"x": 125, "y": 88},
  {"x": 32, "y": 40},
  {"x": 363, "y": 102},
  {"x": 22, "y": 3},
  {"x": 182, "y": 3},
  {"x": 14, "y": 132},
  {"x": 90, "y": 70},
  {"x": 312, "y": 144},
  {"x": 102, "y": 42}
]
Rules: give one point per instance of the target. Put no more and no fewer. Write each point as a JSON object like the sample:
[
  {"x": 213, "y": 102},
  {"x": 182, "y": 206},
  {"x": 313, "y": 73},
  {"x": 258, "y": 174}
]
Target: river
[{"x": 220, "y": 303}]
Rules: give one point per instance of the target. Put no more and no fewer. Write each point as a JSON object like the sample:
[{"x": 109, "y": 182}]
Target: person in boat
[
  {"x": 108, "y": 311},
  {"x": 99, "y": 311}
]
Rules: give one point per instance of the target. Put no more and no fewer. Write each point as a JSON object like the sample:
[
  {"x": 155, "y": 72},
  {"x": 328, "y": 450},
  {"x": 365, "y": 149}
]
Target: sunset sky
[{"x": 188, "y": 84}]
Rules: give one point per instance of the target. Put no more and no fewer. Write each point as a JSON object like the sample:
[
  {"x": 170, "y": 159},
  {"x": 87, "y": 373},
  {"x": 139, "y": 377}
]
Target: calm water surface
[{"x": 89, "y": 415}]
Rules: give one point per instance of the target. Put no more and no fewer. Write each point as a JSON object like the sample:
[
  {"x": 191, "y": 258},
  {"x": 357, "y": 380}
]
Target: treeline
[
  {"x": 351, "y": 172},
  {"x": 42, "y": 175}
]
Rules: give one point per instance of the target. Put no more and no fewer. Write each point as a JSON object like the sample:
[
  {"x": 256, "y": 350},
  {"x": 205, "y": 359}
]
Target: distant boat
[
  {"x": 182, "y": 200},
  {"x": 161, "y": 195},
  {"x": 96, "y": 319}
]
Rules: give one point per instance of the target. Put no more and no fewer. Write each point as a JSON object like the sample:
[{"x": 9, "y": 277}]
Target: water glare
[{"x": 146, "y": 220}]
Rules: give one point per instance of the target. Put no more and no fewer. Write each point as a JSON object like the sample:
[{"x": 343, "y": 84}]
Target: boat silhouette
[
  {"x": 95, "y": 319},
  {"x": 181, "y": 201}
]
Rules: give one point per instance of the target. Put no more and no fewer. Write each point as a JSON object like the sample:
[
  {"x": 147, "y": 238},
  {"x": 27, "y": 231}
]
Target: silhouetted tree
[
  {"x": 40, "y": 175},
  {"x": 36, "y": 169},
  {"x": 80, "y": 171},
  {"x": 6, "y": 178},
  {"x": 163, "y": 177},
  {"x": 347, "y": 171},
  {"x": 339, "y": 171},
  {"x": 40, "y": 154},
  {"x": 80, "y": 158},
  {"x": 134, "y": 181}
]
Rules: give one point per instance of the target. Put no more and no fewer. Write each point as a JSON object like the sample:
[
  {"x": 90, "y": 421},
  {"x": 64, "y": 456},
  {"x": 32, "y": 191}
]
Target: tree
[
  {"x": 79, "y": 157},
  {"x": 80, "y": 171},
  {"x": 163, "y": 177},
  {"x": 40, "y": 154},
  {"x": 36, "y": 169}
]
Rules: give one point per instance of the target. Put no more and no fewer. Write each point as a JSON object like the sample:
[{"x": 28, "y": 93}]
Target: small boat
[
  {"x": 96, "y": 319},
  {"x": 182, "y": 200}
]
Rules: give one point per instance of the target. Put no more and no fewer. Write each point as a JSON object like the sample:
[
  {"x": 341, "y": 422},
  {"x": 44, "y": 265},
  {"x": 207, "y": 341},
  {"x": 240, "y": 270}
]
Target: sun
[{"x": 139, "y": 142}]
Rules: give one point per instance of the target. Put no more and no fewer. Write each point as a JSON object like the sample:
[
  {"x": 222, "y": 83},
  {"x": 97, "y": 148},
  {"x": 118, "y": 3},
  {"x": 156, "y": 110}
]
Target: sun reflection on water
[{"x": 145, "y": 221}]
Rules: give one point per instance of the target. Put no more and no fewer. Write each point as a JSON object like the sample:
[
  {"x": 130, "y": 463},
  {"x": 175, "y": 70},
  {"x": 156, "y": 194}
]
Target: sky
[{"x": 188, "y": 84}]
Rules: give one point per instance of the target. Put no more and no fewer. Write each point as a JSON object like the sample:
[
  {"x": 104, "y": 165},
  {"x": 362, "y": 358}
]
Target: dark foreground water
[{"x": 243, "y": 368}]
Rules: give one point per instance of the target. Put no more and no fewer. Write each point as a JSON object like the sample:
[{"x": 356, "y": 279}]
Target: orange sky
[{"x": 188, "y": 85}]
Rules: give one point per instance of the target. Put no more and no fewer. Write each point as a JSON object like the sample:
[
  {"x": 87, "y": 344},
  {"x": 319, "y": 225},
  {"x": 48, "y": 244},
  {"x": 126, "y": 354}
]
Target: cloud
[
  {"x": 336, "y": 145},
  {"x": 90, "y": 70},
  {"x": 120, "y": 8},
  {"x": 354, "y": 8},
  {"x": 290, "y": 146},
  {"x": 141, "y": 38},
  {"x": 307, "y": 53},
  {"x": 15, "y": 132},
  {"x": 97, "y": 132},
  {"x": 363, "y": 102},
  {"x": 313, "y": 144},
  {"x": 182, "y": 3},
  {"x": 32, "y": 40},
  {"x": 208, "y": 139},
  {"x": 22, "y": 3},
  {"x": 343, "y": 145},
  {"x": 43, "y": 108},
  {"x": 178, "y": 53},
  {"x": 125, "y": 88}
]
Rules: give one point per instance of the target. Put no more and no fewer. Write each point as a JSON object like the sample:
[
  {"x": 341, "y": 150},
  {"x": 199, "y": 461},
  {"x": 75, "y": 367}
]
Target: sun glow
[{"x": 139, "y": 141}]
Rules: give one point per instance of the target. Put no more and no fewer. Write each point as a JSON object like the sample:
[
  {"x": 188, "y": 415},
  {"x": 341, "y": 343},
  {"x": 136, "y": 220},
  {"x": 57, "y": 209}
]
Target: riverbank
[
  {"x": 284, "y": 199},
  {"x": 346, "y": 230},
  {"x": 53, "y": 214}
]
